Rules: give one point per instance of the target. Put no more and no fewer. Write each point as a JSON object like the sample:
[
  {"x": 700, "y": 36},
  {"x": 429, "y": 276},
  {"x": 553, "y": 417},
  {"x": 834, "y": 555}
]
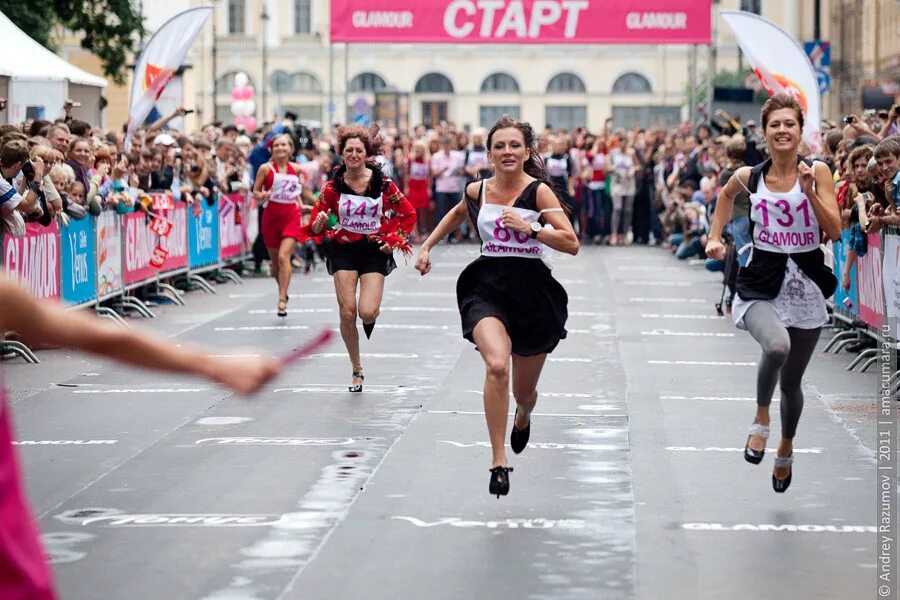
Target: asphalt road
[{"x": 151, "y": 486}]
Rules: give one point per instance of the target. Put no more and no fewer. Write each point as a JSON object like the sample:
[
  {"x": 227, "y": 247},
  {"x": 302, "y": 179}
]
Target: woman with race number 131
[
  {"x": 511, "y": 306},
  {"x": 781, "y": 292}
]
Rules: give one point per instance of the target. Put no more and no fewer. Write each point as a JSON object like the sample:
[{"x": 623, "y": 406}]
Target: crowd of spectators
[{"x": 623, "y": 186}]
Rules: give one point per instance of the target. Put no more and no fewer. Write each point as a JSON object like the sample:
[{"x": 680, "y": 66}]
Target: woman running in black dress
[{"x": 510, "y": 305}]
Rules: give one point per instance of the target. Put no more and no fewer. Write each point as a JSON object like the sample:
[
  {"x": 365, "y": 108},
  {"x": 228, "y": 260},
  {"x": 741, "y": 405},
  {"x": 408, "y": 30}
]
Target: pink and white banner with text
[
  {"x": 522, "y": 21},
  {"x": 33, "y": 260}
]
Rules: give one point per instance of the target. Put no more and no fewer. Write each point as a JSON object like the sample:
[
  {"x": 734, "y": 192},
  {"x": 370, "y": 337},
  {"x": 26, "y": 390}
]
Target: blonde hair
[
  {"x": 420, "y": 144},
  {"x": 64, "y": 172}
]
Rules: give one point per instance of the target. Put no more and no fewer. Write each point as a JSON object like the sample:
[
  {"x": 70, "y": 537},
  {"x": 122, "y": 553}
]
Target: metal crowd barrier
[
  {"x": 871, "y": 307},
  {"x": 98, "y": 262}
]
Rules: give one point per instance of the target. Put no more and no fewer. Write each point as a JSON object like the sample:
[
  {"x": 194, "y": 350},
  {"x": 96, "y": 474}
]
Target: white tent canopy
[{"x": 39, "y": 79}]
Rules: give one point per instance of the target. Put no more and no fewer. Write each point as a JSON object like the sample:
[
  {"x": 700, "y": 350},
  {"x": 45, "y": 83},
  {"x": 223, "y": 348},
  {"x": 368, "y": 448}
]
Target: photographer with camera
[{"x": 24, "y": 198}]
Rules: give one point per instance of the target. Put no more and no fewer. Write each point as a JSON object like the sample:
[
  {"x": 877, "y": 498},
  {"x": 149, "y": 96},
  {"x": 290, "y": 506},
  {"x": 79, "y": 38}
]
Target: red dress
[
  {"x": 418, "y": 183},
  {"x": 24, "y": 573},
  {"x": 281, "y": 216}
]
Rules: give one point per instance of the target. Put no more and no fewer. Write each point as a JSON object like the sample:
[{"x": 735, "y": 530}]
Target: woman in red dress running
[
  {"x": 279, "y": 183},
  {"x": 418, "y": 188},
  {"x": 372, "y": 218}
]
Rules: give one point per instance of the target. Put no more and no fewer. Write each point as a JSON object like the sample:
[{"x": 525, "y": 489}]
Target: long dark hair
[{"x": 534, "y": 166}]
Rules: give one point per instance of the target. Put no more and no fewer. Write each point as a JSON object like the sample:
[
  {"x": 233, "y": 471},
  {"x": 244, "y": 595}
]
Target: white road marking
[
  {"x": 673, "y": 317},
  {"x": 582, "y": 314},
  {"x": 542, "y": 446},
  {"x": 142, "y": 391},
  {"x": 575, "y": 360},
  {"x": 785, "y": 527},
  {"x": 274, "y": 441},
  {"x": 562, "y": 415},
  {"x": 265, "y": 311},
  {"x": 263, "y": 328},
  {"x": 711, "y": 363},
  {"x": 547, "y": 394},
  {"x": 671, "y": 300},
  {"x": 719, "y": 449},
  {"x": 669, "y": 332},
  {"x": 222, "y": 420},
  {"x": 64, "y": 442},
  {"x": 530, "y": 523},
  {"x": 342, "y": 389},
  {"x": 647, "y": 268},
  {"x": 363, "y": 355},
  {"x": 644, "y": 283},
  {"x": 723, "y": 398},
  {"x": 417, "y": 309},
  {"x": 259, "y": 295}
]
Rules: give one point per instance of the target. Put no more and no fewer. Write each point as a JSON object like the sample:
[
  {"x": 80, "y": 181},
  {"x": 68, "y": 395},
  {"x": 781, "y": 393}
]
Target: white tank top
[
  {"x": 783, "y": 222},
  {"x": 497, "y": 240}
]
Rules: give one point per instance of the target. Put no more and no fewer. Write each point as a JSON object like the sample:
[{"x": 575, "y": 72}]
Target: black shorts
[{"x": 362, "y": 256}]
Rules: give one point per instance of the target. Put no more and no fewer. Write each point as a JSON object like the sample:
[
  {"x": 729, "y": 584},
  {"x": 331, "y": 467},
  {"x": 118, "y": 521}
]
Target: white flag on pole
[
  {"x": 781, "y": 65},
  {"x": 160, "y": 60}
]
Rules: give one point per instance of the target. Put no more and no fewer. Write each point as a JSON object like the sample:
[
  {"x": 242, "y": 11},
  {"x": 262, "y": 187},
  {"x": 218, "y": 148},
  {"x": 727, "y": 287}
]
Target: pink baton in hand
[{"x": 310, "y": 347}]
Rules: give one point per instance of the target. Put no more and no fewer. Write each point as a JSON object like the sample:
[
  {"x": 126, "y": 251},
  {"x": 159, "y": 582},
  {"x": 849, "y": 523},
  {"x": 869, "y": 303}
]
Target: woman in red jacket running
[{"x": 366, "y": 218}]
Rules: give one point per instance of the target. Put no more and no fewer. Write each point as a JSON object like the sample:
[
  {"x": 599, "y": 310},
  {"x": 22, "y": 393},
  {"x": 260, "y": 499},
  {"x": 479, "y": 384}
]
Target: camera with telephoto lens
[{"x": 28, "y": 170}]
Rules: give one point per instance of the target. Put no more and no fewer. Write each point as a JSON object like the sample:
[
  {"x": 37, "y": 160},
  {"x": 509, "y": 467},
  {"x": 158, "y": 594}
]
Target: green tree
[{"x": 108, "y": 28}]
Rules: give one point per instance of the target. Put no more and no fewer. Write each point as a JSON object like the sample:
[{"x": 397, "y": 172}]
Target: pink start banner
[{"x": 522, "y": 21}]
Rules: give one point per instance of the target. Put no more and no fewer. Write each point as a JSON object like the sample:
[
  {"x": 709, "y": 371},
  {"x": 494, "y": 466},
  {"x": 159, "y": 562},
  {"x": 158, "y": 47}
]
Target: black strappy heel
[
  {"x": 499, "y": 485},
  {"x": 282, "y": 308},
  {"x": 359, "y": 387}
]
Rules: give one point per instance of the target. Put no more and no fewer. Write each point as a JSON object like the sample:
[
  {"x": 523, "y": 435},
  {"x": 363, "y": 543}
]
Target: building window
[
  {"x": 236, "y": 13},
  {"x": 488, "y": 115},
  {"x": 645, "y": 117},
  {"x": 281, "y": 82},
  {"x": 225, "y": 82},
  {"x": 309, "y": 114},
  {"x": 566, "y": 83},
  {"x": 302, "y": 17},
  {"x": 632, "y": 83},
  {"x": 434, "y": 83},
  {"x": 565, "y": 117},
  {"x": 306, "y": 83},
  {"x": 500, "y": 83},
  {"x": 367, "y": 82}
]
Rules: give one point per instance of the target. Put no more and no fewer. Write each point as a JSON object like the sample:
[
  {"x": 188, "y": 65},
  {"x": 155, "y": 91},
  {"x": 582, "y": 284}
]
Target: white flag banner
[
  {"x": 781, "y": 65},
  {"x": 160, "y": 60}
]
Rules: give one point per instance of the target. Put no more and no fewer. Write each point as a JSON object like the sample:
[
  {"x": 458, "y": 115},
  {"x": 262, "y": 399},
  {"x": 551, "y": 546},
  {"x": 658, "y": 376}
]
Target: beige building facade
[{"x": 407, "y": 84}]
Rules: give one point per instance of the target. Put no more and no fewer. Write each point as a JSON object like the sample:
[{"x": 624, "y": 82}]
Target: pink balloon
[
  {"x": 241, "y": 121},
  {"x": 250, "y": 123},
  {"x": 246, "y": 93},
  {"x": 235, "y": 93}
]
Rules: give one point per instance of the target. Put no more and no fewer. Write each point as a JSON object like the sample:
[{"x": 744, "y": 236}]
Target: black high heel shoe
[
  {"x": 368, "y": 328},
  {"x": 781, "y": 485},
  {"x": 282, "y": 307},
  {"x": 499, "y": 481},
  {"x": 751, "y": 455},
  {"x": 518, "y": 438},
  {"x": 358, "y": 387}
]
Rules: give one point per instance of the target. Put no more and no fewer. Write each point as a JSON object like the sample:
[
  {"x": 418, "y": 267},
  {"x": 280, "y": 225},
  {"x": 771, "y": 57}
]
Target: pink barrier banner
[
  {"x": 139, "y": 242},
  {"x": 231, "y": 233},
  {"x": 522, "y": 21},
  {"x": 870, "y": 283},
  {"x": 34, "y": 259}
]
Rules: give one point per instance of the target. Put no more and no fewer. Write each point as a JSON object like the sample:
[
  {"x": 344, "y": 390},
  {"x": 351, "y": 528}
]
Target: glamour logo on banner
[{"x": 522, "y": 21}]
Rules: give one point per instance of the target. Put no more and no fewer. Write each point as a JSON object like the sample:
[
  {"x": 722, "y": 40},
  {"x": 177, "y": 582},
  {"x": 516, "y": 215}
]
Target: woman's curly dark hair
[{"x": 370, "y": 138}]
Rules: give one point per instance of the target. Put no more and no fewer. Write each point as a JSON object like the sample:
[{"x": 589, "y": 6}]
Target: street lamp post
[{"x": 263, "y": 81}]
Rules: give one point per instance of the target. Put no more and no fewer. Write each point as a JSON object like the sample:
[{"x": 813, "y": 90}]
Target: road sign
[{"x": 819, "y": 53}]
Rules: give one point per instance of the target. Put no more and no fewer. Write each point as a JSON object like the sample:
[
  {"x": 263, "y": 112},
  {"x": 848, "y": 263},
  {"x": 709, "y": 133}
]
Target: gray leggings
[{"x": 786, "y": 353}]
